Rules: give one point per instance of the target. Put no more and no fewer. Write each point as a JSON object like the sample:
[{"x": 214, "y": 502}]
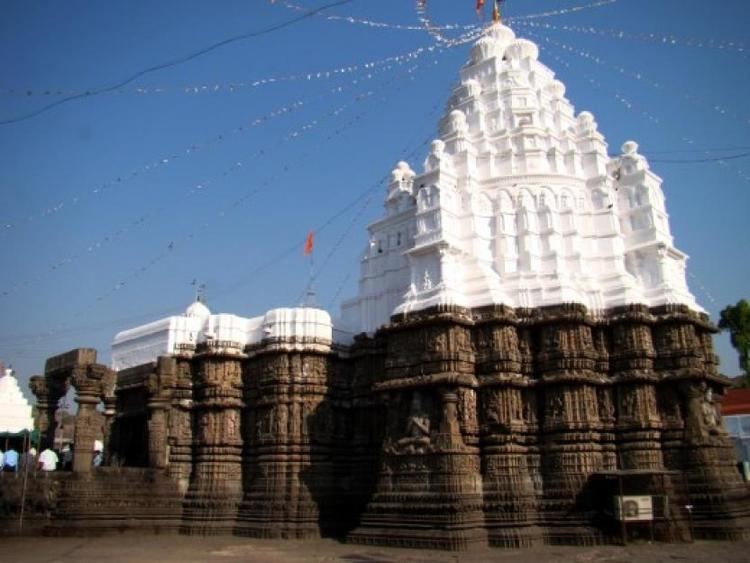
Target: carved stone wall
[
  {"x": 429, "y": 486},
  {"x": 215, "y": 489},
  {"x": 294, "y": 433},
  {"x": 447, "y": 429}
]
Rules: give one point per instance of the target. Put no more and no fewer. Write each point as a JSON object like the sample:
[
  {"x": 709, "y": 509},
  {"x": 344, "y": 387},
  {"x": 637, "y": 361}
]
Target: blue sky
[{"x": 192, "y": 172}]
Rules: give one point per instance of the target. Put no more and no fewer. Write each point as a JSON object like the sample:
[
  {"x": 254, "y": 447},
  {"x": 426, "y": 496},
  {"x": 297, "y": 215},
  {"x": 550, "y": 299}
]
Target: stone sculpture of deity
[{"x": 417, "y": 435}]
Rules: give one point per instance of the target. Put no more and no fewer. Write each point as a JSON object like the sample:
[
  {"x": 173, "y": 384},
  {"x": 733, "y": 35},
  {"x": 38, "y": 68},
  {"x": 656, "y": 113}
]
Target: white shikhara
[{"x": 518, "y": 204}]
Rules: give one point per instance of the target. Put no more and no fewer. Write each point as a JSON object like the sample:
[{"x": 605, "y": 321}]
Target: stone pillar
[
  {"x": 449, "y": 433},
  {"x": 46, "y": 405},
  {"x": 157, "y": 433},
  {"x": 429, "y": 491},
  {"x": 508, "y": 425},
  {"x": 570, "y": 443},
  {"x": 639, "y": 425},
  {"x": 291, "y": 489},
  {"x": 704, "y": 455},
  {"x": 87, "y": 396},
  {"x": 180, "y": 436},
  {"x": 110, "y": 404},
  {"x": 604, "y": 395},
  {"x": 160, "y": 386},
  {"x": 215, "y": 488}
]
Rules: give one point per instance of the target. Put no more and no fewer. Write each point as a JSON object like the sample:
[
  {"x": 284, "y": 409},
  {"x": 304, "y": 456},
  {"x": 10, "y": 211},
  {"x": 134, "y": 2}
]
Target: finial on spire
[
  {"x": 200, "y": 290},
  {"x": 496, "y": 12}
]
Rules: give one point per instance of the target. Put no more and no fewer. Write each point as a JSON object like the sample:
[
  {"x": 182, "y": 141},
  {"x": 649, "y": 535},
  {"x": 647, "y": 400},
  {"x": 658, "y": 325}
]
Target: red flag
[
  {"x": 480, "y": 5},
  {"x": 307, "y": 250}
]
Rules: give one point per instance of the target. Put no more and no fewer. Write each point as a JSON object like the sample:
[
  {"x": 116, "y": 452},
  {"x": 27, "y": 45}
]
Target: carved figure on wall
[
  {"x": 462, "y": 342},
  {"x": 628, "y": 403},
  {"x": 426, "y": 281},
  {"x": 263, "y": 424},
  {"x": 467, "y": 407},
  {"x": 515, "y": 406},
  {"x": 417, "y": 431},
  {"x": 491, "y": 406},
  {"x": 529, "y": 406},
  {"x": 230, "y": 424},
  {"x": 708, "y": 409},
  {"x": 552, "y": 340},
  {"x": 282, "y": 420},
  {"x": 204, "y": 427},
  {"x": 557, "y": 405},
  {"x": 606, "y": 408},
  {"x": 436, "y": 341}
]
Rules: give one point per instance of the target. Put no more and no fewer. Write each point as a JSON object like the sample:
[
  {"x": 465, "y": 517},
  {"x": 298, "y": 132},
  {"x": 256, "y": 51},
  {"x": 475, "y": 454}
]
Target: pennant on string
[{"x": 308, "y": 248}]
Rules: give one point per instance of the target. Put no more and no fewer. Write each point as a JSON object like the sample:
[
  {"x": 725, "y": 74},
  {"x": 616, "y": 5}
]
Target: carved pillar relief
[{"x": 88, "y": 392}]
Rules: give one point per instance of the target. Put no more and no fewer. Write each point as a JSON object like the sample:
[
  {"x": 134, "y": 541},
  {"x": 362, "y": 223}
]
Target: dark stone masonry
[{"x": 449, "y": 429}]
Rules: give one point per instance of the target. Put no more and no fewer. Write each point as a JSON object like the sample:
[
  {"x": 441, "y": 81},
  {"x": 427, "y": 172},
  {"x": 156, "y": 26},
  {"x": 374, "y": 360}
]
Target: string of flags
[
  {"x": 651, "y": 37},
  {"x": 232, "y": 86},
  {"x": 596, "y": 83},
  {"x": 371, "y": 69},
  {"x": 637, "y": 75},
  {"x": 563, "y": 11},
  {"x": 630, "y": 105},
  {"x": 368, "y": 22},
  {"x": 193, "y": 189},
  {"x": 269, "y": 181},
  {"x": 367, "y": 196}
]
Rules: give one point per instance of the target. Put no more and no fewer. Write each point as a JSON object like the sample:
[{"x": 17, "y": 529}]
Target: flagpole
[
  {"x": 310, "y": 278},
  {"x": 309, "y": 250}
]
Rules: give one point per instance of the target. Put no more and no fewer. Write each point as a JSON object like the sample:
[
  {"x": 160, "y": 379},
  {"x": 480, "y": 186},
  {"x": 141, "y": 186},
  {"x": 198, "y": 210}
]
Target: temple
[
  {"x": 523, "y": 363},
  {"x": 15, "y": 410}
]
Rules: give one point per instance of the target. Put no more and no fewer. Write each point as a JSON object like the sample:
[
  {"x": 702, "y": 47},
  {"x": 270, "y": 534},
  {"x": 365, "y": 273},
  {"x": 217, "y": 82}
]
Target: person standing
[
  {"x": 48, "y": 460},
  {"x": 67, "y": 458},
  {"x": 10, "y": 460}
]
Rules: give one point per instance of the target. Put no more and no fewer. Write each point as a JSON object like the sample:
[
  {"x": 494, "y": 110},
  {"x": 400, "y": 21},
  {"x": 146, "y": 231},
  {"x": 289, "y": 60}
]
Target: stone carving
[
  {"x": 416, "y": 438},
  {"x": 494, "y": 448},
  {"x": 708, "y": 410}
]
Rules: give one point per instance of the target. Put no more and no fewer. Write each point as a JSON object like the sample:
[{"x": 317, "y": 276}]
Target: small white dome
[{"x": 197, "y": 309}]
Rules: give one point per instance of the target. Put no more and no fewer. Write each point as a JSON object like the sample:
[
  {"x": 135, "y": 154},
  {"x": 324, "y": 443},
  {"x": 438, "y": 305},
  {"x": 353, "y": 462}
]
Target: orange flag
[{"x": 307, "y": 250}]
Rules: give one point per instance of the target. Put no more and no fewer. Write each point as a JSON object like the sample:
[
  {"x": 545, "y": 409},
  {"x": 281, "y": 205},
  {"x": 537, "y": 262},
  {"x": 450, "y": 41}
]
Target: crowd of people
[{"x": 47, "y": 460}]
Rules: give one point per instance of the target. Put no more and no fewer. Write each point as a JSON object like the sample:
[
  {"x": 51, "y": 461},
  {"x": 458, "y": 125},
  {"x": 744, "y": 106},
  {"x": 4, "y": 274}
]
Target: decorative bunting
[
  {"x": 671, "y": 40},
  {"x": 371, "y": 69}
]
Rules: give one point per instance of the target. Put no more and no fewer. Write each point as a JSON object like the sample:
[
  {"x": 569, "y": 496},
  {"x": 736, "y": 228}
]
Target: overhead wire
[
  {"x": 175, "y": 62},
  {"x": 196, "y": 187},
  {"x": 649, "y": 37},
  {"x": 721, "y": 161},
  {"x": 235, "y": 204},
  {"x": 61, "y": 331},
  {"x": 169, "y": 158}
]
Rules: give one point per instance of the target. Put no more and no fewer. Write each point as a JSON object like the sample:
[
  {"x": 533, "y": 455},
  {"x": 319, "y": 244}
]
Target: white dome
[{"x": 197, "y": 309}]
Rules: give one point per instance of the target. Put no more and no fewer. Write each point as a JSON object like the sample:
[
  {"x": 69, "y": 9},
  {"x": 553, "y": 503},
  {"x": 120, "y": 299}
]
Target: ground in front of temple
[{"x": 186, "y": 549}]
